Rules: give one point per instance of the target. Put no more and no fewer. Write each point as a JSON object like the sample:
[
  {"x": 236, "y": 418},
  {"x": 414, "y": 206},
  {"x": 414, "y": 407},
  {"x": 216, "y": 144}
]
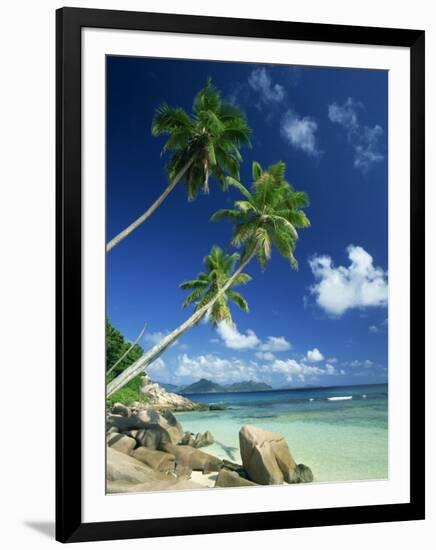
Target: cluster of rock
[
  {"x": 158, "y": 397},
  {"x": 149, "y": 451}
]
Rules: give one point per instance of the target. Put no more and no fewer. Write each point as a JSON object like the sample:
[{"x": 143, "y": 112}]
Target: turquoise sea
[{"x": 341, "y": 440}]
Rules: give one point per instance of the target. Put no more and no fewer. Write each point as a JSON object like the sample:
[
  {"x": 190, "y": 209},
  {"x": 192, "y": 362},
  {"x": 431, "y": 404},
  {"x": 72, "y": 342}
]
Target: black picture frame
[{"x": 69, "y": 23}]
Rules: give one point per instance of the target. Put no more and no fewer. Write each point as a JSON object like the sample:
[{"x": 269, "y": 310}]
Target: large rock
[
  {"x": 203, "y": 440},
  {"x": 158, "y": 460},
  {"x": 182, "y": 471},
  {"x": 153, "y": 437},
  {"x": 265, "y": 456},
  {"x": 122, "y": 443},
  {"x": 200, "y": 440},
  {"x": 146, "y": 419},
  {"x": 113, "y": 430},
  {"x": 230, "y": 478},
  {"x": 160, "y": 485},
  {"x": 119, "y": 408},
  {"x": 166, "y": 420},
  {"x": 160, "y": 398},
  {"x": 123, "y": 467},
  {"x": 301, "y": 474},
  {"x": 194, "y": 459},
  {"x": 187, "y": 439}
]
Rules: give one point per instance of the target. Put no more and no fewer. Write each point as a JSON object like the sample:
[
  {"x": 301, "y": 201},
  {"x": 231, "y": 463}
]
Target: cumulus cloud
[
  {"x": 293, "y": 370},
  {"x": 156, "y": 366},
  {"x": 265, "y": 355},
  {"x": 234, "y": 339},
  {"x": 360, "y": 285},
  {"x": 373, "y": 329},
  {"x": 367, "y": 364},
  {"x": 300, "y": 132},
  {"x": 275, "y": 343},
  {"x": 363, "y": 139},
  {"x": 215, "y": 368},
  {"x": 229, "y": 370},
  {"x": 314, "y": 355},
  {"x": 260, "y": 81}
]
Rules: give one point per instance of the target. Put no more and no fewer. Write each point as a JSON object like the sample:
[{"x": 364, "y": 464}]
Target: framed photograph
[{"x": 240, "y": 274}]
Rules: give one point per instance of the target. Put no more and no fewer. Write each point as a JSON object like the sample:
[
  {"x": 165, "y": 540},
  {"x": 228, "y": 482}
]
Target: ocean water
[{"x": 340, "y": 440}]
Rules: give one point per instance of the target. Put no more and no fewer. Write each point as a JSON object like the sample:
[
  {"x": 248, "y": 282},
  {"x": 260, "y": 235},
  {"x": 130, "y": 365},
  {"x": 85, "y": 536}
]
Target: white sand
[{"x": 206, "y": 480}]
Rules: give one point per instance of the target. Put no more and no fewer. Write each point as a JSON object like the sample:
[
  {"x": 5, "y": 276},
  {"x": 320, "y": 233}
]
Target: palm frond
[{"x": 239, "y": 300}]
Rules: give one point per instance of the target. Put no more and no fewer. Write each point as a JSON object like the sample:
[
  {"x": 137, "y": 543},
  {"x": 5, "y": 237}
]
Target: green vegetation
[
  {"x": 116, "y": 347},
  {"x": 220, "y": 267},
  {"x": 268, "y": 217},
  {"x": 130, "y": 392},
  {"x": 203, "y": 144}
]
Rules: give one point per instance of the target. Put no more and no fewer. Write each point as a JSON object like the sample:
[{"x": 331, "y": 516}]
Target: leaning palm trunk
[
  {"x": 156, "y": 351},
  {"x": 113, "y": 367},
  {"x": 129, "y": 229}
]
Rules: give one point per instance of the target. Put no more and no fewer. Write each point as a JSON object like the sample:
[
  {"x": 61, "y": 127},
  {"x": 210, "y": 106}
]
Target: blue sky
[{"x": 325, "y": 324}]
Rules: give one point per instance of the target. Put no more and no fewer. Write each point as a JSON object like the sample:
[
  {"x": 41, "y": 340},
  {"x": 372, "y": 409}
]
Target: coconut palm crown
[
  {"x": 220, "y": 268},
  {"x": 207, "y": 141},
  {"x": 268, "y": 216}
]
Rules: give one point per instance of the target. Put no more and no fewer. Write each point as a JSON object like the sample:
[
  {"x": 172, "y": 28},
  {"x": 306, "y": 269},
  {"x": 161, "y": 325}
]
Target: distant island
[{"x": 207, "y": 386}]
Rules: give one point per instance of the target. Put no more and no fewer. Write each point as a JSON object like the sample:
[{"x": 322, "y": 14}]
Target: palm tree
[
  {"x": 220, "y": 267},
  {"x": 203, "y": 144},
  {"x": 210, "y": 292},
  {"x": 268, "y": 216}
]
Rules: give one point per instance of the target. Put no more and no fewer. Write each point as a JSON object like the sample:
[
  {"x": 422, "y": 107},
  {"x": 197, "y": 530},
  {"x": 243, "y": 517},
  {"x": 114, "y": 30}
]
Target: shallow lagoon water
[{"x": 341, "y": 440}]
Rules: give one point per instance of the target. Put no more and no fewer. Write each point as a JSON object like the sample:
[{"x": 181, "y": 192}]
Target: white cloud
[
  {"x": 330, "y": 369},
  {"x": 359, "y": 285},
  {"x": 314, "y": 355},
  {"x": 234, "y": 339},
  {"x": 276, "y": 343},
  {"x": 156, "y": 366},
  {"x": 155, "y": 337},
  {"x": 367, "y": 364},
  {"x": 260, "y": 81},
  {"x": 292, "y": 370},
  {"x": 300, "y": 132},
  {"x": 373, "y": 329},
  {"x": 215, "y": 368},
  {"x": 365, "y": 152},
  {"x": 346, "y": 114},
  {"x": 229, "y": 370},
  {"x": 265, "y": 355},
  {"x": 363, "y": 139}
]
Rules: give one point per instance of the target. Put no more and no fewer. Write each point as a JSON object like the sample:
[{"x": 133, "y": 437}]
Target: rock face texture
[
  {"x": 162, "y": 399},
  {"x": 230, "y": 478},
  {"x": 121, "y": 443},
  {"x": 266, "y": 456},
  {"x": 158, "y": 460},
  {"x": 200, "y": 440},
  {"x": 125, "y": 468},
  {"x": 166, "y": 420},
  {"x": 168, "y": 484},
  {"x": 148, "y": 450},
  {"x": 194, "y": 459},
  {"x": 122, "y": 410}
]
